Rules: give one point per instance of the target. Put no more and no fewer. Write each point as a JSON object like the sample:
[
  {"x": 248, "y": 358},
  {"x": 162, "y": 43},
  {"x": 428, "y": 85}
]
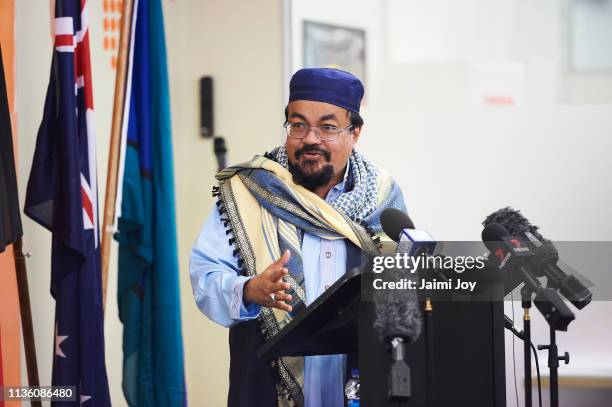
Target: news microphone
[
  {"x": 394, "y": 221},
  {"x": 399, "y": 227},
  {"x": 513, "y": 256},
  {"x": 398, "y": 313},
  {"x": 220, "y": 152},
  {"x": 508, "y": 250},
  {"x": 546, "y": 256}
]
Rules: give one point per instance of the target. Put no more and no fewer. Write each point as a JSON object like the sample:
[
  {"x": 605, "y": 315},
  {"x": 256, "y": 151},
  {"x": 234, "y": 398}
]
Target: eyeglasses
[{"x": 327, "y": 132}]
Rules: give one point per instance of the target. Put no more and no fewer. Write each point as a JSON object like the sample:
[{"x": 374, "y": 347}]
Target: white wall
[
  {"x": 457, "y": 160},
  {"x": 239, "y": 43}
]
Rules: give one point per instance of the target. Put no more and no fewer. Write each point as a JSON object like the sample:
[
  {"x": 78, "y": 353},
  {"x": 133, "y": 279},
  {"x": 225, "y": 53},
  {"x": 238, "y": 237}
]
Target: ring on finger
[{"x": 273, "y": 297}]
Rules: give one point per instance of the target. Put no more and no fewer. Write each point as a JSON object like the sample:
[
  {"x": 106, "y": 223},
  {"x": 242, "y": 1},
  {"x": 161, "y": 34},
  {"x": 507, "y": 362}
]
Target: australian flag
[{"x": 62, "y": 197}]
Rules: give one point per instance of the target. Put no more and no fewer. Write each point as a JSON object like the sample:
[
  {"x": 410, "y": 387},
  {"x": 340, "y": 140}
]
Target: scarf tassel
[
  {"x": 375, "y": 238},
  {"x": 229, "y": 231}
]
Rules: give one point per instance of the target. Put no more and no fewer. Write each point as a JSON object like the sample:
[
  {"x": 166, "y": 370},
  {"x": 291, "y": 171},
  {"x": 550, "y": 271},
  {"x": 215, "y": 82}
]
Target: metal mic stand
[
  {"x": 553, "y": 365},
  {"x": 429, "y": 350},
  {"x": 558, "y": 315},
  {"x": 526, "y": 303}
]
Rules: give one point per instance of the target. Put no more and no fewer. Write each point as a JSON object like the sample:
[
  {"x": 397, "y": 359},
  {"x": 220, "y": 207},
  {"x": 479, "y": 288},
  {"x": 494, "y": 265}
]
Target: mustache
[{"x": 312, "y": 149}]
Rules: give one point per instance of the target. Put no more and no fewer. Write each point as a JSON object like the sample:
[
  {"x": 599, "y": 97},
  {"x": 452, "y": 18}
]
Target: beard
[{"x": 311, "y": 180}]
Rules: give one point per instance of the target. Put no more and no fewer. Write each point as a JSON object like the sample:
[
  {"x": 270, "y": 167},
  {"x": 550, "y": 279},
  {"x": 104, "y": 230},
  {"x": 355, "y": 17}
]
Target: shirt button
[{"x": 327, "y": 255}]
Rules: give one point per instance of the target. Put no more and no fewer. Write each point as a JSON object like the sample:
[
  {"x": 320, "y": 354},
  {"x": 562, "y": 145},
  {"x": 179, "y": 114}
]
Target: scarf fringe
[{"x": 284, "y": 396}]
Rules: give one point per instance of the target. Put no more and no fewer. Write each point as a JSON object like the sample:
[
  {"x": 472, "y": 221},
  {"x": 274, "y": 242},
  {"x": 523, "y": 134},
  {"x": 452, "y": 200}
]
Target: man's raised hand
[{"x": 268, "y": 288}]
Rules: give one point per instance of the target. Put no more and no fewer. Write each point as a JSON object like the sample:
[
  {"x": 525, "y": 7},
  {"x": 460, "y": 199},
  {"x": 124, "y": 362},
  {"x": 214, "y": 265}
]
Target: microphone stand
[
  {"x": 526, "y": 303},
  {"x": 429, "y": 347},
  {"x": 558, "y": 316},
  {"x": 553, "y": 365},
  {"x": 509, "y": 325},
  {"x": 429, "y": 350}
]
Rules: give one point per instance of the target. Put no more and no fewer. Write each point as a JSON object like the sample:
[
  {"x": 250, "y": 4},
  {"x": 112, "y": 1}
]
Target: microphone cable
[
  {"x": 513, "y": 353},
  {"x": 538, "y": 373},
  {"x": 535, "y": 354}
]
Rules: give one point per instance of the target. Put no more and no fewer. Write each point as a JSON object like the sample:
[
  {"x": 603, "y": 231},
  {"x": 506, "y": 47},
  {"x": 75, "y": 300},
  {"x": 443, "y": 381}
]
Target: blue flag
[
  {"x": 62, "y": 197},
  {"x": 148, "y": 286}
]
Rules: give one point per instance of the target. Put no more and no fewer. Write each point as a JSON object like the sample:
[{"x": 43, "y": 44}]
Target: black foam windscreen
[
  {"x": 393, "y": 221},
  {"x": 513, "y": 221},
  {"x": 398, "y": 312},
  {"x": 207, "y": 128}
]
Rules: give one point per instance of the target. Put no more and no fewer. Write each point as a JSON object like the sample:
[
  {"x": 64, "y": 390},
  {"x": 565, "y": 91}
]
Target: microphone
[
  {"x": 220, "y": 152},
  {"x": 394, "y": 221},
  {"x": 397, "y": 311},
  {"x": 412, "y": 242},
  {"x": 399, "y": 227},
  {"x": 511, "y": 256},
  {"x": 398, "y": 314},
  {"x": 398, "y": 322},
  {"x": 546, "y": 256}
]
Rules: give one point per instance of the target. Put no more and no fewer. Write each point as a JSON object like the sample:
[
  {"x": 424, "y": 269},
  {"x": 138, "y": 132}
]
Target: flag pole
[
  {"x": 115, "y": 140},
  {"x": 26, "y": 316}
]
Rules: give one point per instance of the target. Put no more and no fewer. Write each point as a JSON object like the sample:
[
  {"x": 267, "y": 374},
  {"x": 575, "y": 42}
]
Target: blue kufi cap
[{"x": 327, "y": 85}]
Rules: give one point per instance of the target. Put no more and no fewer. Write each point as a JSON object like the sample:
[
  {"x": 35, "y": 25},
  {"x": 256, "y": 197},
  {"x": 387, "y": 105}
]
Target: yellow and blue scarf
[{"x": 268, "y": 213}]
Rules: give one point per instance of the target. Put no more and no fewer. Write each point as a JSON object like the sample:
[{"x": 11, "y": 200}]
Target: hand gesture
[{"x": 268, "y": 288}]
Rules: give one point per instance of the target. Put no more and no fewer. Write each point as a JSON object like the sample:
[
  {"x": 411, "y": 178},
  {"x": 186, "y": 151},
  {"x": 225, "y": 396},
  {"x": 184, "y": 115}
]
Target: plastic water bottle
[{"x": 351, "y": 390}]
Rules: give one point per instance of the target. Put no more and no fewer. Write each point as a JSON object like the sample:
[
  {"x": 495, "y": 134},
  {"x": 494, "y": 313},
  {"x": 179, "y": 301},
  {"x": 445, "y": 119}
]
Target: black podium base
[
  {"x": 463, "y": 342},
  {"x": 468, "y": 358}
]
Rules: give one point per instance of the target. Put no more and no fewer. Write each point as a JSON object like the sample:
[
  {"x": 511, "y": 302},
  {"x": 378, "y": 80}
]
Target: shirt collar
[{"x": 340, "y": 186}]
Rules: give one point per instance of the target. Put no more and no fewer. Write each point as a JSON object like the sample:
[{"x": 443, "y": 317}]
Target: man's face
[{"x": 313, "y": 162}]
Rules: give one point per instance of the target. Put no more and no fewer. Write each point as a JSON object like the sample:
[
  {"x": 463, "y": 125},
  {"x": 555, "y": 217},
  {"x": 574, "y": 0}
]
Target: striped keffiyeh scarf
[{"x": 268, "y": 213}]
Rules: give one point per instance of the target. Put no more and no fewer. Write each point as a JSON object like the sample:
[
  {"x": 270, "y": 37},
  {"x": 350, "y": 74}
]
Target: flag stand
[
  {"x": 115, "y": 139},
  {"x": 26, "y": 315}
]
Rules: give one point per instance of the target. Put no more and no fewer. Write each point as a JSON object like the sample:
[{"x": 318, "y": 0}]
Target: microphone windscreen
[
  {"x": 393, "y": 221},
  {"x": 398, "y": 313},
  {"x": 513, "y": 221}
]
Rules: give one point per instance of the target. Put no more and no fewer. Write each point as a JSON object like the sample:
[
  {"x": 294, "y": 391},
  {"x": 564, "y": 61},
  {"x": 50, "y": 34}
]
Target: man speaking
[{"x": 287, "y": 225}]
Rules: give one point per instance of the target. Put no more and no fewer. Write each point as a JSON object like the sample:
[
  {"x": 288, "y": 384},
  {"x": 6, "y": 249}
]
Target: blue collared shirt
[{"x": 217, "y": 287}]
